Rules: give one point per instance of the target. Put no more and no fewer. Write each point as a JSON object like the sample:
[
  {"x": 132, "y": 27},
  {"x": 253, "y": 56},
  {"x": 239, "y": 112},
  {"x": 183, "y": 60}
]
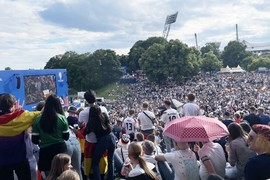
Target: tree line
[{"x": 158, "y": 58}]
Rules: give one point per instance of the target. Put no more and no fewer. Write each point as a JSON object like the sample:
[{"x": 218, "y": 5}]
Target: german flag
[
  {"x": 88, "y": 154},
  {"x": 15, "y": 123}
]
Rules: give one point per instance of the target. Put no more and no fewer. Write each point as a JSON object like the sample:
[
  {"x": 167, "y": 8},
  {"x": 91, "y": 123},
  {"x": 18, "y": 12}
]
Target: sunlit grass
[{"x": 116, "y": 88}]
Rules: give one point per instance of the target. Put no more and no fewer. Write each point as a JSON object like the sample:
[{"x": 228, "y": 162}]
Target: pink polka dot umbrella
[{"x": 195, "y": 129}]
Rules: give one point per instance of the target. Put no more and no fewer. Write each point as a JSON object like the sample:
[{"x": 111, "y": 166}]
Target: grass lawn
[{"x": 117, "y": 87}]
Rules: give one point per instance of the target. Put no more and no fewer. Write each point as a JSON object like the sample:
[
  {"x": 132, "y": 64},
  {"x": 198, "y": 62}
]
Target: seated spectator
[
  {"x": 157, "y": 149},
  {"x": 183, "y": 160},
  {"x": 139, "y": 137},
  {"x": 139, "y": 168},
  {"x": 238, "y": 152},
  {"x": 259, "y": 141},
  {"x": 212, "y": 159},
  {"x": 264, "y": 117},
  {"x": 60, "y": 163},
  {"x": 246, "y": 127},
  {"x": 69, "y": 175},
  {"x": 122, "y": 148}
]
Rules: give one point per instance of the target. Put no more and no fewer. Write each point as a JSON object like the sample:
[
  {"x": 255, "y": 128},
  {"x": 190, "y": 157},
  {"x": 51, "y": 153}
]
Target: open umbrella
[{"x": 195, "y": 129}]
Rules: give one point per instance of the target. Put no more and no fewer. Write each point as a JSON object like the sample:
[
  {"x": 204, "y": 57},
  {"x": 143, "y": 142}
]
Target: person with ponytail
[
  {"x": 139, "y": 168},
  {"x": 13, "y": 123}
]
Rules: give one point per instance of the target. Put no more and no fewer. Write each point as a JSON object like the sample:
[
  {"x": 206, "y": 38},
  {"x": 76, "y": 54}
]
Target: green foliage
[
  {"x": 210, "y": 62},
  {"x": 261, "y": 61},
  {"x": 234, "y": 53},
  {"x": 88, "y": 71},
  {"x": 7, "y": 68},
  {"x": 211, "y": 47},
  {"x": 154, "y": 63},
  {"x": 139, "y": 48}
]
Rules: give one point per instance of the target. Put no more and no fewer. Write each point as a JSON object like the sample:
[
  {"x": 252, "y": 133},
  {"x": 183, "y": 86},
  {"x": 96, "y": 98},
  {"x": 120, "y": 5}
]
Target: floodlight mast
[{"x": 167, "y": 26}]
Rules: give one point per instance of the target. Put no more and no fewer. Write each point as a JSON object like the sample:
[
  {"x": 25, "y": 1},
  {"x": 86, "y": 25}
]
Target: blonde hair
[
  {"x": 57, "y": 166},
  {"x": 262, "y": 144},
  {"x": 135, "y": 151},
  {"x": 69, "y": 175}
]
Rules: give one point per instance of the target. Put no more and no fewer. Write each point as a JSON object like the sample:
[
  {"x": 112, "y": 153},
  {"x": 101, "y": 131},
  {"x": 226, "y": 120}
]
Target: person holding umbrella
[
  {"x": 202, "y": 129},
  {"x": 183, "y": 160}
]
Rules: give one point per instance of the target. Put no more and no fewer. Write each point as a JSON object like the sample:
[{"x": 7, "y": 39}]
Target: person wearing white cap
[{"x": 122, "y": 148}]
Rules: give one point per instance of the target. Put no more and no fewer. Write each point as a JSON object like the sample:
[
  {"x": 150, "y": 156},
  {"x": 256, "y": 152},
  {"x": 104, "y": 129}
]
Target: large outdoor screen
[{"x": 38, "y": 87}]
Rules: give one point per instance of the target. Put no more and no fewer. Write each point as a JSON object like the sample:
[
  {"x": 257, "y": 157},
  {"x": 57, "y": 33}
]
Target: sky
[{"x": 33, "y": 31}]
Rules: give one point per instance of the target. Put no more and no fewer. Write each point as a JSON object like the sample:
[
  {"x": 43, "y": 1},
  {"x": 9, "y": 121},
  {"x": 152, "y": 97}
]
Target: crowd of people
[{"x": 127, "y": 142}]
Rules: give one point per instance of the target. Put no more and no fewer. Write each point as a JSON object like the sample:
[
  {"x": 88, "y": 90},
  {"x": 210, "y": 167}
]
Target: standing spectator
[
  {"x": 49, "y": 131},
  {"x": 90, "y": 138},
  {"x": 264, "y": 117},
  {"x": 226, "y": 119},
  {"x": 129, "y": 124},
  {"x": 13, "y": 124},
  {"x": 237, "y": 118},
  {"x": 99, "y": 124},
  {"x": 146, "y": 120},
  {"x": 252, "y": 118},
  {"x": 168, "y": 115},
  {"x": 191, "y": 108},
  {"x": 72, "y": 116},
  {"x": 259, "y": 141},
  {"x": 117, "y": 128}
]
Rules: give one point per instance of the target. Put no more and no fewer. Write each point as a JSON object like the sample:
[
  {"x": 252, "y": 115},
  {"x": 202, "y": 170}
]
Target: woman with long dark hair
[
  {"x": 49, "y": 131},
  {"x": 99, "y": 124}
]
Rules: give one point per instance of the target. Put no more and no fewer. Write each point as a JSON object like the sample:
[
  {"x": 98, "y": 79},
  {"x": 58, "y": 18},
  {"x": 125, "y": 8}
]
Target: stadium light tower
[{"x": 169, "y": 20}]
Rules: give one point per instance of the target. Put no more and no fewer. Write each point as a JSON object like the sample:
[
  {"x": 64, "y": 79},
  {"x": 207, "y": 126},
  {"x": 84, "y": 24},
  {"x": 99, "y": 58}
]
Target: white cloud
[{"x": 32, "y": 32}]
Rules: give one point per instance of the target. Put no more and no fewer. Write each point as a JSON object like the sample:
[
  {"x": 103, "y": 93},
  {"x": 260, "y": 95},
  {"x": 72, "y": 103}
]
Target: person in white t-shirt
[
  {"x": 183, "y": 160},
  {"x": 146, "y": 120},
  {"x": 90, "y": 138},
  {"x": 168, "y": 115},
  {"x": 212, "y": 159},
  {"x": 129, "y": 124},
  {"x": 191, "y": 108}
]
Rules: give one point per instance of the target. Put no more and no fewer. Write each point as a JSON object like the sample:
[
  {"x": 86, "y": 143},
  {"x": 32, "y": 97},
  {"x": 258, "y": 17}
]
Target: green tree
[
  {"x": 139, "y": 48},
  {"x": 211, "y": 46},
  {"x": 7, "y": 68},
  {"x": 234, "y": 53},
  {"x": 182, "y": 61},
  {"x": 210, "y": 62},
  {"x": 247, "y": 61},
  {"x": 261, "y": 61},
  {"x": 154, "y": 63}
]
